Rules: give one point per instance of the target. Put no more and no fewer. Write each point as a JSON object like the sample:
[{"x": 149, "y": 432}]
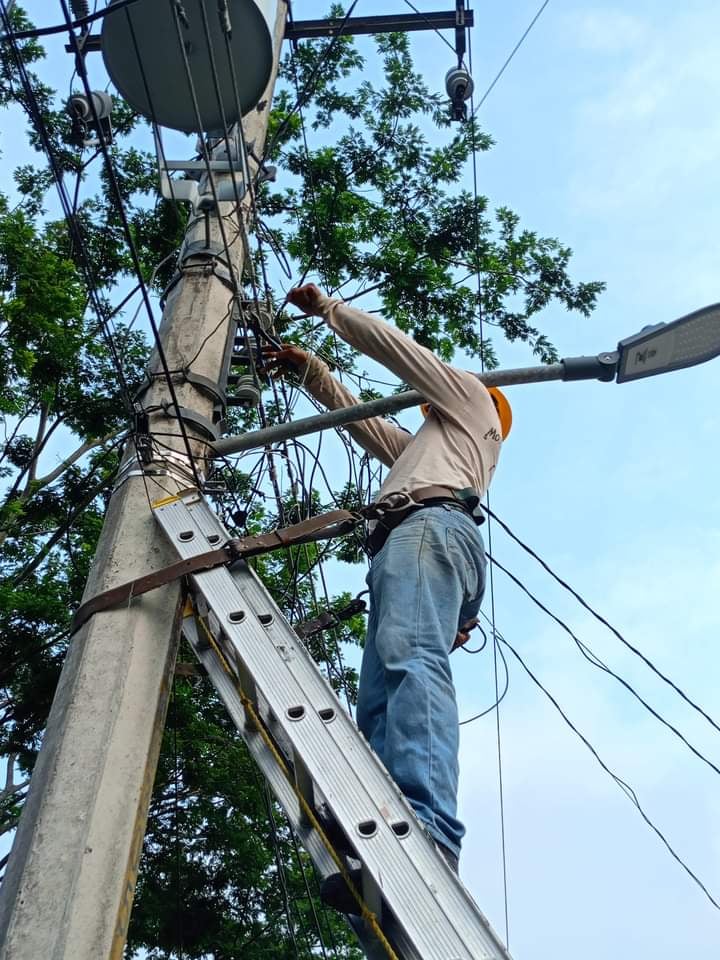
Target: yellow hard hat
[{"x": 504, "y": 410}]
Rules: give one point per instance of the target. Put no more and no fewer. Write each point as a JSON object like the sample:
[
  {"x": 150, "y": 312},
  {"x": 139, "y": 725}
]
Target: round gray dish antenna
[{"x": 144, "y": 57}]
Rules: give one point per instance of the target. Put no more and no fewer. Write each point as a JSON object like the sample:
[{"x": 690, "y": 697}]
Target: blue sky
[{"x": 607, "y": 136}]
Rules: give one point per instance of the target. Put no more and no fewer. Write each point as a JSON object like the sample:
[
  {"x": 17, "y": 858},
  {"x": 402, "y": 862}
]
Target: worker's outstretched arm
[
  {"x": 453, "y": 393},
  {"x": 381, "y": 439}
]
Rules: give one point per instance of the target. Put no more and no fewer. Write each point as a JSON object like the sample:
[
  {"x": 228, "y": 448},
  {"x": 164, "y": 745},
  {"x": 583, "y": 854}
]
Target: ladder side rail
[
  {"x": 428, "y": 901},
  {"x": 275, "y": 776}
]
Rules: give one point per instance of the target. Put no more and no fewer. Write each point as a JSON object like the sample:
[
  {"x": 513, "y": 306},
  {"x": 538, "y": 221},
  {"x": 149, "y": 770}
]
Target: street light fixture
[
  {"x": 659, "y": 349},
  {"x": 671, "y": 346}
]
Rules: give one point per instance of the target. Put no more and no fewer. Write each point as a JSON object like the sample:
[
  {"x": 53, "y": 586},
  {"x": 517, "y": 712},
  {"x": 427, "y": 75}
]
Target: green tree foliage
[
  {"x": 368, "y": 200},
  {"x": 377, "y": 203}
]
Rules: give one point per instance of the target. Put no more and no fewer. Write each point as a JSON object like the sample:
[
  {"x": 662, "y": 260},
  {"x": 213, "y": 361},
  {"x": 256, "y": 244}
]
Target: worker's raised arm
[
  {"x": 381, "y": 439},
  {"x": 453, "y": 393}
]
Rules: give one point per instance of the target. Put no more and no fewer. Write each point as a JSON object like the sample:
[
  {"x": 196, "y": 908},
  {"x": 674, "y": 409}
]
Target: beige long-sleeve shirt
[{"x": 458, "y": 444}]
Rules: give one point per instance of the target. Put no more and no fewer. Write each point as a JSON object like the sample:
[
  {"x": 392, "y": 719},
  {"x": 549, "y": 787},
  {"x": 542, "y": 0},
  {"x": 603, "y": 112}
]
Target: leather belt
[{"x": 389, "y": 516}]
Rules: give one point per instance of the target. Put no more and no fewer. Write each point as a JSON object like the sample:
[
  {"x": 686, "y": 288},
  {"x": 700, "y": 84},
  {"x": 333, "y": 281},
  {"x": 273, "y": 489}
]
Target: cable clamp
[
  {"x": 170, "y": 465},
  {"x": 191, "y": 417},
  {"x": 214, "y": 265}
]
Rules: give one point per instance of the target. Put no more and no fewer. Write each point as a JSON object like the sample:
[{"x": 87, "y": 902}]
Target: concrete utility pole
[{"x": 69, "y": 884}]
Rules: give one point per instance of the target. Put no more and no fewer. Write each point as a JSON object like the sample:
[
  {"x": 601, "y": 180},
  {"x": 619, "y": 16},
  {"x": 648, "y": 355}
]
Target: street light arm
[
  {"x": 577, "y": 368},
  {"x": 671, "y": 346},
  {"x": 602, "y": 367}
]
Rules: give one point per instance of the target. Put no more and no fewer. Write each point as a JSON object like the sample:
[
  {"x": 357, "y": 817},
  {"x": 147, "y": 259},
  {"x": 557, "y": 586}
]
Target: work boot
[
  {"x": 333, "y": 831},
  {"x": 450, "y": 858},
  {"x": 335, "y": 893}
]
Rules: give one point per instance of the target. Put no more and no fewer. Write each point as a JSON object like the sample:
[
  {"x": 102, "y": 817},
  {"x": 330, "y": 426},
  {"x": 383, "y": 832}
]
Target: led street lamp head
[{"x": 671, "y": 346}]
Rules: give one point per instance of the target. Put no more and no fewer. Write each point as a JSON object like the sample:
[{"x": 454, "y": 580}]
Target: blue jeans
[{"x": 427, "y": 580}]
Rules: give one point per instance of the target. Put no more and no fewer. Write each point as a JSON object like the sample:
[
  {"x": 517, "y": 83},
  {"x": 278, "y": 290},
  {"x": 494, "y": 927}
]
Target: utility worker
[{"x": 427, "y": 573}]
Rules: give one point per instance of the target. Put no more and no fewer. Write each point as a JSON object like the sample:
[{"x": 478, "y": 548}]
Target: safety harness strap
[{"x": 322, "y": 527}]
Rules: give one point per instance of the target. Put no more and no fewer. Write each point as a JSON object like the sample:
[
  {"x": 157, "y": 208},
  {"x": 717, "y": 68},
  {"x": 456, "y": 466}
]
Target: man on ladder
[{"x": 427, "y": 572}]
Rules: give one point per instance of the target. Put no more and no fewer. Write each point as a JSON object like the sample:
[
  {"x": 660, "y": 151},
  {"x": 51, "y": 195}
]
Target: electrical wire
[
  {"x": 309, "y": 88},
  {"x": 76, "y": 235},
  {"x": 176, "y": 825},
  {"x": 430, "y": 25},
  {"x": 496, "y": 648},
  {"x": 592, "y": 658},
  {"x": 498, "y": 698},
  {"x": 626, "y": 789},
  {"x": 129, "y": 239},
  {"x": 507, "y": 62},
  {"x": 62, "y": 27},
  {"x": 638, "y": 653}
]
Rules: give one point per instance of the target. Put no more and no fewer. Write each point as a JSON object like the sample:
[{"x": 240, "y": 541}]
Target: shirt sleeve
[
  {"x": 381, "y": 439},
  {"x": 454, "y": 394}
]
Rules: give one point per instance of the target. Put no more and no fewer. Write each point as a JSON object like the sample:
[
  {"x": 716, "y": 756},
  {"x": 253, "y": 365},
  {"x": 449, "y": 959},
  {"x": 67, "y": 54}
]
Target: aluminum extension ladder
[{"x": 316, "y": 760}]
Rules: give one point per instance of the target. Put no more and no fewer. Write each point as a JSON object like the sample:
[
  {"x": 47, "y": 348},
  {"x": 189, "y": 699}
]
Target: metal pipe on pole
[
  {"x": 69, "y": 884},
  {"x": 578, "y": 368}
]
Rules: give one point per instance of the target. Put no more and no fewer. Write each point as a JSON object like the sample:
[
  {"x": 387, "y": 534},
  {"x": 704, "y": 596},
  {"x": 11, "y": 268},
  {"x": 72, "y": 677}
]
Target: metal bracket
[
  {"x": 142, "y": 438},
  {"x": 328, "y": 619},
  {"x": 168, "y": 464},
  {"x": 352, "y": 26},
  {"x": 205, "y": 385},
  {"x": 215, "y": 265},
  {"x": 192, "y": 417},
  {"x": 249, "y": 313},
  {"x": 188, "y": 189}
]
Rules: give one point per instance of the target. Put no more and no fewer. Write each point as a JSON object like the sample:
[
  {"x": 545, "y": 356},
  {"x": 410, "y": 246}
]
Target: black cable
[
  {"x": 120, "y": 207},
  {"x": 310, "y": 898},
  {"x": 226, "y": 137},
  {"x": 430, "y": 25},
  {"x": 62, "y": 27},
  {"x": 601, "y": 619},
  {"x": 496, "y": 647},
  {"x": 592, "y": 658},
  {"x": 515, "y": 49},
  {"x": 498, "y": 699},
  {"x": 626, "y": 789},
  {"x": 313, "y": 196},
  {"x": 176, "y": 819},
  {"x": 280, "y": 866},
  {"x": 76, "y": 235},
  {"x": 309, "y": 86}
]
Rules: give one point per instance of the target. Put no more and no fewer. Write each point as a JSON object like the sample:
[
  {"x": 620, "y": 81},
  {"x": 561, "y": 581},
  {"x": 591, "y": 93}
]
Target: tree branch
[
  {"x": 37, "y": 447},
  {"x": 57, "y": 536},
  {"x": 73, "y": 458},
  {"x": 11, "y": 788}
]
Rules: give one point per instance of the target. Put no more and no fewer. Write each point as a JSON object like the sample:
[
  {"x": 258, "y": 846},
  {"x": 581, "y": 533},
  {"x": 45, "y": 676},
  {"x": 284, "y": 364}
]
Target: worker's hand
[
  {"x": 289, "y": 358},
  {"x": 306, "y": 298},
  {"x": 463, "y": 634}
]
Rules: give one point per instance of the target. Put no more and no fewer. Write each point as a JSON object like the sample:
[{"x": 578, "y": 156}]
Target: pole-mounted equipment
[
  {"x": 91, "y": 118},
  {"x": 146, "y": 60}
]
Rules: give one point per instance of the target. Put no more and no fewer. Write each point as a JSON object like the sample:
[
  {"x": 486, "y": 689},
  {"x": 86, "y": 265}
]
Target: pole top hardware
[
  {"x": 166, "y": 59},
  {"x": 195, "y": 188},
  {"x": 247, "y": 312},
  {"x": 459, "y": 86},
  {"x": 91, "y": 118}
]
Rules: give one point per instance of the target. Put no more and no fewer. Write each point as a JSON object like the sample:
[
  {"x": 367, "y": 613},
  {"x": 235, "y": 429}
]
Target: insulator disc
[{"x": 144, "y": 58}]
